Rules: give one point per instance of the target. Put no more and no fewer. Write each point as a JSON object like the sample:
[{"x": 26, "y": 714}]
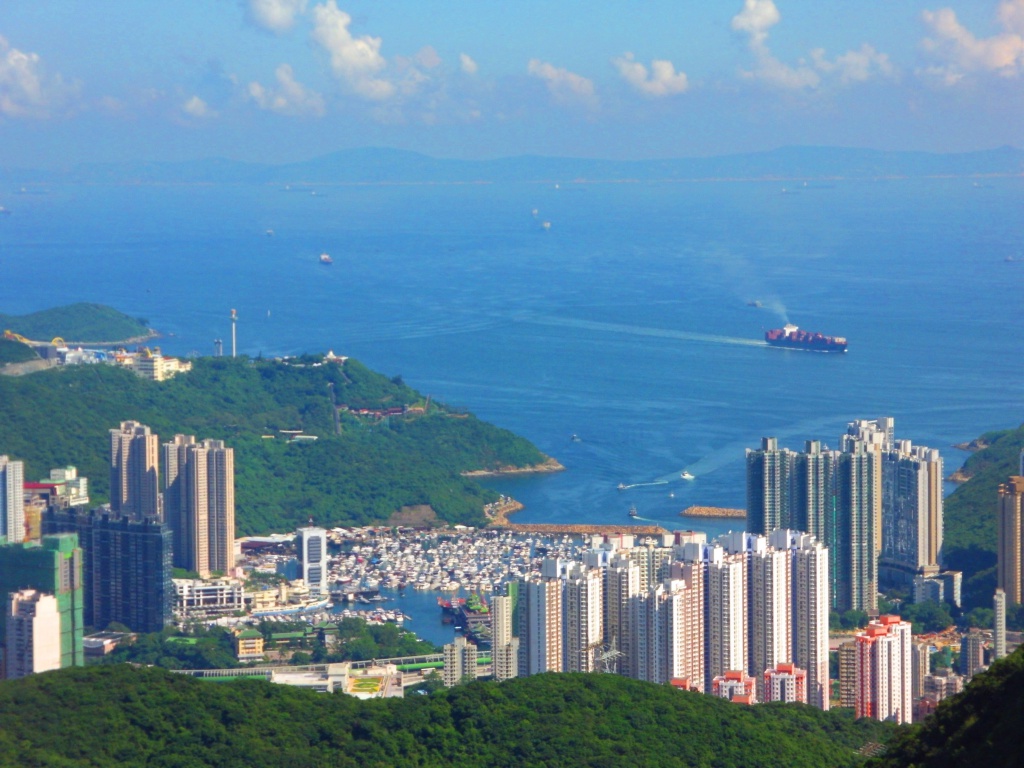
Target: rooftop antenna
[{"x": 234, "y": 322}]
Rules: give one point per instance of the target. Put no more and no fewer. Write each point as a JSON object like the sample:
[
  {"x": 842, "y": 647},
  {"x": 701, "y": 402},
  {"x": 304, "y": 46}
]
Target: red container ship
[{"x": 791, "y": 337}]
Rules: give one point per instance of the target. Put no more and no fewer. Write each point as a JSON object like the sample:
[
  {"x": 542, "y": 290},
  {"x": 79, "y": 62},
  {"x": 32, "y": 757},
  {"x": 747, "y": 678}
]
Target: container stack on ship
[{"x": 791, "y": 337}]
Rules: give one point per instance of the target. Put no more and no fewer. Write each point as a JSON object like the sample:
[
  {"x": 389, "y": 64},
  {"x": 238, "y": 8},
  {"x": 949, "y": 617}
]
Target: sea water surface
[{"x": 626, "y": 322}]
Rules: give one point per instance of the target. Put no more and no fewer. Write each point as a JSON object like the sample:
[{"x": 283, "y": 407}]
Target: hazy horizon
[{"x": 282, "y": 81}]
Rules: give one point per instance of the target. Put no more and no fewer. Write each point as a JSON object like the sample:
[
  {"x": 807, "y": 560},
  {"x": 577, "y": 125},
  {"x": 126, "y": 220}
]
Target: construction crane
[{"x": 12, "y": 336}]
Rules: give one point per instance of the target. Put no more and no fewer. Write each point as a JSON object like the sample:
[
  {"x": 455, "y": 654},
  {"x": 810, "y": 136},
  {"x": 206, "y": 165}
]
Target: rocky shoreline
[{"x": 551, "y": 465}]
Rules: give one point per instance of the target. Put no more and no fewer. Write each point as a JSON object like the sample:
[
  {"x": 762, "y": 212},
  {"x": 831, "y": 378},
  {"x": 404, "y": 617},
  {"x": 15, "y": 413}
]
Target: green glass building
[{"x": 54, "y": 566}]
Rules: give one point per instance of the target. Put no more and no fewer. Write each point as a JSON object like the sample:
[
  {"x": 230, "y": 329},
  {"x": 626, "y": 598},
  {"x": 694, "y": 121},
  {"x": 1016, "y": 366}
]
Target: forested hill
[
  {"x": 969, "y": 530},
  {"x": 980, "y": 728},
  {"x": 120, "y": 715},
  {"x": 360, "y": 469},
  {"x": 90, "y": 323}
]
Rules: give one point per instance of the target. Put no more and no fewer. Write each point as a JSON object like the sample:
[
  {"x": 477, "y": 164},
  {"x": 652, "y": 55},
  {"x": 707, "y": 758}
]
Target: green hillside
[
  {"x": 980, "y": 728},
  {"x": 361, "y": 475},
  {"x": 120, "y": 715},
  {"x": 15, "y": 352},
  {"x": 969, "y": 535},
  {"x": 76, "y": 322}
]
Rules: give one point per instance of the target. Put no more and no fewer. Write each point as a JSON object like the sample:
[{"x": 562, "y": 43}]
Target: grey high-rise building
[
  {"x": 854, "y": 540},
  {"x": 769, "y": 473},
  {"x": 912, "y": 511},
  {"x": 311, "y": 545},
  {"x": 813, "y": 503},
  {"x": 12, "y": 500}
]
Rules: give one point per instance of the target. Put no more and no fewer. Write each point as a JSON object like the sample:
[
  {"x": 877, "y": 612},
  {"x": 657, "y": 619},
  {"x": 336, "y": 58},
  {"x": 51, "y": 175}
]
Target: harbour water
[{"x": 625, "y": 323}]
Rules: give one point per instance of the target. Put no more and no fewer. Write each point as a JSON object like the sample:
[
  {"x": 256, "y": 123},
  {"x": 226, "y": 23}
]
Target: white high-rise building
[
  {"x": 884, "y": 673},
  {"x": 504, "y": 647},
  {"x": 584, "y": 620},
  {"x": 726, "y": 613},
  {"x": 810, "y": 601},
  {"x": 459, "y": 662},
  {"x": 311, "y": 545},
  {"x": 668, "y": 637},
  {"x": 771, "y": 619},
  {"x": 12, "y": 500},
  {"x": 541, "y": 646},
  {"x": 999, "y": 624},
  {"x": 33, "y": 633}
]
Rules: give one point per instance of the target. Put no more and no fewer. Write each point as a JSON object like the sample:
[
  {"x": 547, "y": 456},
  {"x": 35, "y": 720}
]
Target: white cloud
[
  {"x": 276, "y": 15},
  {"x": 662, "y": 80},
  {"x": 196, "y": 107},
  {"x": 25, "y": 90},
  {"x": 855, "y": 66},
  {"x": 963, "y": 52},
  {"x": 564, "y": 85},
  {"x": 427, "y": 57},
  {"x": 354, "y": 60},
  {"x": 756, "y": 18},
  {"x": 759, "y": 16},
  {"x": 467, "y": 65},
  {"x": 290, "y": 97}
]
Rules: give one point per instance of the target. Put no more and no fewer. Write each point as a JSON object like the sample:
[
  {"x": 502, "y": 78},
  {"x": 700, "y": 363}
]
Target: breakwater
[
  {"x": 583, "y": 530},
  {"x": 713, "y": 512}
]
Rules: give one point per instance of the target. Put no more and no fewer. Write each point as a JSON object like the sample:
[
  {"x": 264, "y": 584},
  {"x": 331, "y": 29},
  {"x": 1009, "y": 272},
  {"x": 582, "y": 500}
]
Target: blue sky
[{"x": 282, "y": 80}]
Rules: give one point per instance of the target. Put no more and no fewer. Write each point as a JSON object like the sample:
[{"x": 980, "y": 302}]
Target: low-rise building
[
  {"x": 735, "y": 685},
  {"x": 199, "y": 598},
  {"x": 248, "y": 644}
]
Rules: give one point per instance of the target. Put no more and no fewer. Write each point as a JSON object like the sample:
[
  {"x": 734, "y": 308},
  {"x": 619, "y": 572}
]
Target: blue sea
[{"x": 626, "y": 322}]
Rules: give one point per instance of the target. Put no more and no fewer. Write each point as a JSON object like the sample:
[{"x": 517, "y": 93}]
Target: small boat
[
  {"x": 633, "y": 512},
  {"x": 686, "y": 475},
  {"x": 270, "y": 233},
  {"x": 575, "y": 438},
  {"x": 622, "y": 486},
  {"x": 325, "y": 259}
]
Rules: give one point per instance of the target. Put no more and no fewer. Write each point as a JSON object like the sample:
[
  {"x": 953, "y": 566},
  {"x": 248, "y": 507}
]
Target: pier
[{"x": 713, "y": 512}]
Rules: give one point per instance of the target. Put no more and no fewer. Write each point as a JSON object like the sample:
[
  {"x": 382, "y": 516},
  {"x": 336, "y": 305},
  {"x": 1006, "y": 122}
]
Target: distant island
[{"x": 81, "y": 323}]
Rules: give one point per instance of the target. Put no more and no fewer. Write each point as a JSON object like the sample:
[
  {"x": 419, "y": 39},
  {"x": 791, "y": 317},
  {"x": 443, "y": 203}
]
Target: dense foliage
[
  {"x": 969, "y": 530},
  {"x": 120, "y": 715},
  {"x": 979, "y": 727},
  {"x": 76, "y": 322},
  {"x": 15, "y": 352},
  {"x": 213, "y": 647},
  {"x": 359, "y": 471}
]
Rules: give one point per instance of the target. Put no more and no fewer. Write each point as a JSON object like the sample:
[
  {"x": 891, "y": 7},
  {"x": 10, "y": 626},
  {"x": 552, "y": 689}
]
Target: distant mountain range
[{"x": 377, "y": 165}]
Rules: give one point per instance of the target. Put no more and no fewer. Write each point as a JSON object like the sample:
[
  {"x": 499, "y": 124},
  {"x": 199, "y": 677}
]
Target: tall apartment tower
[
  {"x": 504, "y": 647},
  {"x": 459, "y": 662},
  {"x": 813, "y": 502},
  {"x": 311, "y": 544},
  {"x": 769, "y": 473},
  {"x": 134, "y": 471},
  {"x": 541, "y": 647},
  {"x": 770, "y": 608},
  {"x": 199, "y": 503},
  {"x": 855, "y": 539},
  {"x": 12, "y": 500},
  {"x": 999, "y": 624},
  {"x": 622, "y": 586},
  {"x": 810, "y": 609},
  {"x": 668, "y": 630},
  {"x": 912, "y": 513},
  {"x": 884, "y": 674},
  {"x": 33, "y": 633},
  {"x": 51, "y": 566},
  {"x": 584, "y": 619},
  {"x": 1010, "y": 568},
  {"x": 725, "y": 614}
]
